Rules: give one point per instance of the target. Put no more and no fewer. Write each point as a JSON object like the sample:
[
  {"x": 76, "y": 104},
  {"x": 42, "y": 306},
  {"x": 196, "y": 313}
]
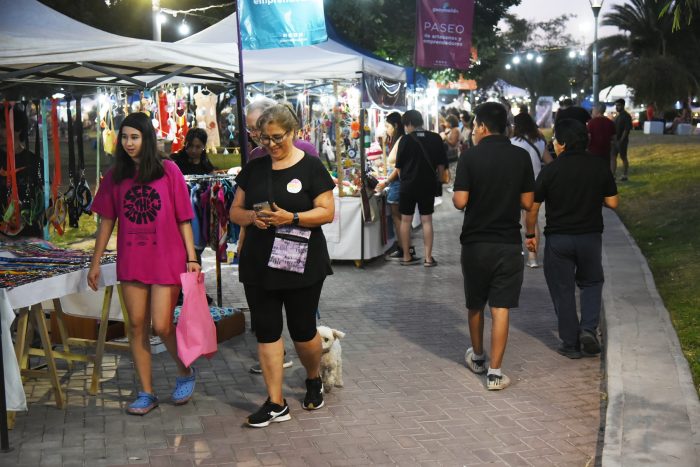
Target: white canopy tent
[
  {"x": 40, "y": 44},
  {"x": 618, "y": 91},
  {"x": 327, "y": 60}
]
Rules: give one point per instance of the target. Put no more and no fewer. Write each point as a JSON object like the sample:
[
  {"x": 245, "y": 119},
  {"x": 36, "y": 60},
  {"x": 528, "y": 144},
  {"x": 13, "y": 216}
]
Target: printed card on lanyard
[
  {"x": 291, "y": 246},
  {"x": 290, "y": 249}
]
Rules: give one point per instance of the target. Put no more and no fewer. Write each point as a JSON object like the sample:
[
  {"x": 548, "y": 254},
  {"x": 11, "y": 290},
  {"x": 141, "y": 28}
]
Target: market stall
[
  {"x": 46, "y": 54},
  {"x": 336, "y": 91}
]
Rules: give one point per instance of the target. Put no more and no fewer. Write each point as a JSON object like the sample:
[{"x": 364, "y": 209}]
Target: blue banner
[{"x": 269, "y": 24}]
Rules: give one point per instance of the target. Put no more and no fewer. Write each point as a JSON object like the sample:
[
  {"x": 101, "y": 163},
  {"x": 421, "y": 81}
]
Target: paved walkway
[{"x": 408, "y": 398}]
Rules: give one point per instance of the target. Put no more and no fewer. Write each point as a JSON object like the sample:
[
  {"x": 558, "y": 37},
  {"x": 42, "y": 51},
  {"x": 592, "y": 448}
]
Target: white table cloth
[{"x": 36, "y": 292}]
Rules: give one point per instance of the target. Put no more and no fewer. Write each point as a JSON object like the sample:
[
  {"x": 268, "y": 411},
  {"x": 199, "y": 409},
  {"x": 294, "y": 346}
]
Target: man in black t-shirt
[
  {"x": 623, "y": 126},
  {"x": 575, "y": 187},
  {"x": 494, "y": 181},
  {"x": 567, "y": 109},
  {"x": 420, "y": 154}
]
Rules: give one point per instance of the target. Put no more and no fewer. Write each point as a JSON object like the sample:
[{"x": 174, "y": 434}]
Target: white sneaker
[
  {"x": 477, "y": 366},
  {"x": 532, "y": 263},
  {"x": 496, "y": 383}
]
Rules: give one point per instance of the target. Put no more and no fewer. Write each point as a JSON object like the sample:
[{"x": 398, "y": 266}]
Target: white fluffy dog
[{"x": 331, "y": 358}]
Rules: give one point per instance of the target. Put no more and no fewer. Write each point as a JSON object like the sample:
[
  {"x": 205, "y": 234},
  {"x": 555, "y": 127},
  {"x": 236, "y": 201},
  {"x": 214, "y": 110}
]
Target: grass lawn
[{"x": 660, "y": 207}]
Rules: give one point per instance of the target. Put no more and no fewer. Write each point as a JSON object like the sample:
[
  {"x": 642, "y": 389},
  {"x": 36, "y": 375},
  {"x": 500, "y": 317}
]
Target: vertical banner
[
  {"x": 444, "y": 33},
  {"x": 269, "y": 24}
]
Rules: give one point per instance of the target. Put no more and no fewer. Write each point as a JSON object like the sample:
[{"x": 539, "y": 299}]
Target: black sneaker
[
  {"x": 269, "y": 413},
  {"x": 314, "y": 394},
  {"x": 589, "y": 343},
  {"x": 395, "y": 255},
  {"x": 569, "y": 351}
]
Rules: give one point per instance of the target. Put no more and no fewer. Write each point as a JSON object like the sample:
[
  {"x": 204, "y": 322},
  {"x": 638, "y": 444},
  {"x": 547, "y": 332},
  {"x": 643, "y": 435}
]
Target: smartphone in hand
[{"x": 263, "y": 206}]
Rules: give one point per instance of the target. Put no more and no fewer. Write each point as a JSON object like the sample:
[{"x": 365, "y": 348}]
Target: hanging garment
[{"x": 207, "y": 118}]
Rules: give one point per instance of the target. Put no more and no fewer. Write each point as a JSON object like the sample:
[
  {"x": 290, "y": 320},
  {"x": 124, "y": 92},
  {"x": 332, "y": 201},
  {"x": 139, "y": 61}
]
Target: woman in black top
[
  {"x": 193, "y": 160},
  {"x": 283, "y": 197}
]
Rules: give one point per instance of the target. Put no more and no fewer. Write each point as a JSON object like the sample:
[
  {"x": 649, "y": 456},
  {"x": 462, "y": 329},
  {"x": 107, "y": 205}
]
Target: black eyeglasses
[{"x": 277, "y": 139}]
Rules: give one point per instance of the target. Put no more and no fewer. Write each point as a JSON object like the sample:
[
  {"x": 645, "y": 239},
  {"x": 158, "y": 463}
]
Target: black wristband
[
  {"x": 529, "y": 236},
  {"x": 193, "y": 261}
]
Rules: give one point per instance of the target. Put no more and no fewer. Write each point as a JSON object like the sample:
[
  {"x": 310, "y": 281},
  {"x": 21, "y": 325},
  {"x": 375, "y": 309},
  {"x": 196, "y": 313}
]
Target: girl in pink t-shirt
[{"x": 149, "y": 198}]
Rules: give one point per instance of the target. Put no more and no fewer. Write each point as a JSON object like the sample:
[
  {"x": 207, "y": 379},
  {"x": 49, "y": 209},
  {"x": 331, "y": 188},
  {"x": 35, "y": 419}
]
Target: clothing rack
[{"x": 214, "y": 178}]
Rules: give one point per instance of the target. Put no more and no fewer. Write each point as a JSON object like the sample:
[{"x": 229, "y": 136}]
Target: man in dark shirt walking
[
  {"x": 494, "y": 181},
  {"x": 575, "y": 187},
  {"x": 419, "y": 155},
  {"x": 623, "y": 126}
]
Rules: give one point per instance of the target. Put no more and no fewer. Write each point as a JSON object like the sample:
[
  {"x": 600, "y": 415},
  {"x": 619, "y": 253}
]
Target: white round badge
[{"x": 294, "y": 186}]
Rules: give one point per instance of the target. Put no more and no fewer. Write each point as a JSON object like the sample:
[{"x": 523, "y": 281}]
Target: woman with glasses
[{"x": 283, "y": 199}]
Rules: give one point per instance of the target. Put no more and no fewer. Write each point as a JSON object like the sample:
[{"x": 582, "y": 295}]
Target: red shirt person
[{"x": 601, "y": 131}]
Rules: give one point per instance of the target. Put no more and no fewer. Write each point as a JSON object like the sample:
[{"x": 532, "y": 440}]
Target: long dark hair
[
  {"x": 524, "y": 127},
  {"x": 394, "y": 119},
  {"x": 150, "y": 162}
]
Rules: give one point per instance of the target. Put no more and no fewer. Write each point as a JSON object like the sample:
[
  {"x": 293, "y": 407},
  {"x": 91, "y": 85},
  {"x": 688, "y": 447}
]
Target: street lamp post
[
  {"x": 596, "y": 5},
  {"x": 155, "y": 7}
]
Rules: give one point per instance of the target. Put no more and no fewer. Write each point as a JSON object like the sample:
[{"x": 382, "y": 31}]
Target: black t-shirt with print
[
  {"x": 29, "y": 186},
  {"x": 573, "y": 187},
  {"x": 188, "y": 168},
  {"x": 495, "y": 173},
  {"x": 415, "y": 173},
  {"x": 294, "y": 189}
]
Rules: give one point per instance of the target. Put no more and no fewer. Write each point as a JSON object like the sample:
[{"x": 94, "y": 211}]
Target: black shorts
[
  {"x": 424, "y": 199},
  {"x": 493, "y": 274},
  {"x": 300, "y": 306}
]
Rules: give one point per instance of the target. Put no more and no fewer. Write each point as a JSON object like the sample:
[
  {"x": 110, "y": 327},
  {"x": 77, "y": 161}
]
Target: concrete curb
[{"x": 653, "y": 413}]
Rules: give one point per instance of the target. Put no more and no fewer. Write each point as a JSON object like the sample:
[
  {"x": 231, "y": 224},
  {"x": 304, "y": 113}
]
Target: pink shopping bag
[{"x": 196, "y": 332}]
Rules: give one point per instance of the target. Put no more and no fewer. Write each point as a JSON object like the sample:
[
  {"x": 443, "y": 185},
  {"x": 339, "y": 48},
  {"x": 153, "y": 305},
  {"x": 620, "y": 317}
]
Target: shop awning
[{"x": 40, "y": 44}]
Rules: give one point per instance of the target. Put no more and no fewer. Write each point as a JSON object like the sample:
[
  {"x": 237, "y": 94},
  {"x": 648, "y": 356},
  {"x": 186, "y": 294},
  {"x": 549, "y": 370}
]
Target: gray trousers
[{"x": 570, "y": 261}]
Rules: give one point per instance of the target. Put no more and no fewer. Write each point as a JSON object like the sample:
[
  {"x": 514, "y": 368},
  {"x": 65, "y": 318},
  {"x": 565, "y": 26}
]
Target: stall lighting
[
  {"x": 572, "y": 54},
  {"x": 162, "y": 19},
  {"x": 508, "y": 67},
  {"x": 529, "y": 56},
  {"x": 516, "y": 59},
  {"x": 184, "y": 28},
  {"x": 58, "y": 95},
  {"x": 539, "y": 59}
]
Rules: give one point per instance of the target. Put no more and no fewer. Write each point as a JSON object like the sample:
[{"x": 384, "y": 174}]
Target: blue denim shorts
[{"x": 392, "y": 196}]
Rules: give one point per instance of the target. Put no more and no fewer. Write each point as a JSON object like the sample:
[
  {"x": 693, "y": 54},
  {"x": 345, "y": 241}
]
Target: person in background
[
  {"x": 192, "y": 159},
  {"x": 419, "y": 158},
  {"x": 149, "y": 198},
  {"x": 494, "y": 181},
  {"x": 601, "y": 133},
  {"x": 285, "y": 192},
  {"x": 526, "y": 135},
  {"x": 253, "y": 111},
  {"x": 451, "y": 138},
  {"x": 567, "y": 109},
  {"x": 684, "y": 116},
  {"x": 29, "y": 169},
  {"x": 395, "y": 131},
  {"x": 465, "y": 133},
  {"x": 623, "y": 126},
  {"x": 575, "y": 187}
]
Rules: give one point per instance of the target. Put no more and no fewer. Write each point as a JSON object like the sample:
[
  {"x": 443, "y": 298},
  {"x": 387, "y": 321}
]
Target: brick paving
[{"x": 408, "y": 398}]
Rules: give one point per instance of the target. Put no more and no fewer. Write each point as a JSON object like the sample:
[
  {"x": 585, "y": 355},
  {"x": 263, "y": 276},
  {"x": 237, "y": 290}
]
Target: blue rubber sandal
[
  {"x": 184, "y": 388},
  {"x": 144, "y": 403}
]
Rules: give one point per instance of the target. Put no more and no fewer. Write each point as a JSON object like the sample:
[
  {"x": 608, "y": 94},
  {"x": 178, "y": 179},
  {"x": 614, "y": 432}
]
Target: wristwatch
[{"x": 295, "y": 219}]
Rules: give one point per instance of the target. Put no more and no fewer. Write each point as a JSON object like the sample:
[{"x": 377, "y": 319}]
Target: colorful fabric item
[
  {"x": 217, "y": 313},
  {"x": 27, "y": 261}
]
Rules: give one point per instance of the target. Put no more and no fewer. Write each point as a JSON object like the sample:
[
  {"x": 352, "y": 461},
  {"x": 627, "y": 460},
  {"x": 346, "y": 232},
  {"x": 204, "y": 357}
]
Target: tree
[
  {"x": 647, "y": 55},
  {"x": 546, "y": 39},
  {"x": 681, "y": 10}
]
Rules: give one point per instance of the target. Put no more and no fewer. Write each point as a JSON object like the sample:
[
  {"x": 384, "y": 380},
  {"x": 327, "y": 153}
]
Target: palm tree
[{"x": 661, "y": 65}]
